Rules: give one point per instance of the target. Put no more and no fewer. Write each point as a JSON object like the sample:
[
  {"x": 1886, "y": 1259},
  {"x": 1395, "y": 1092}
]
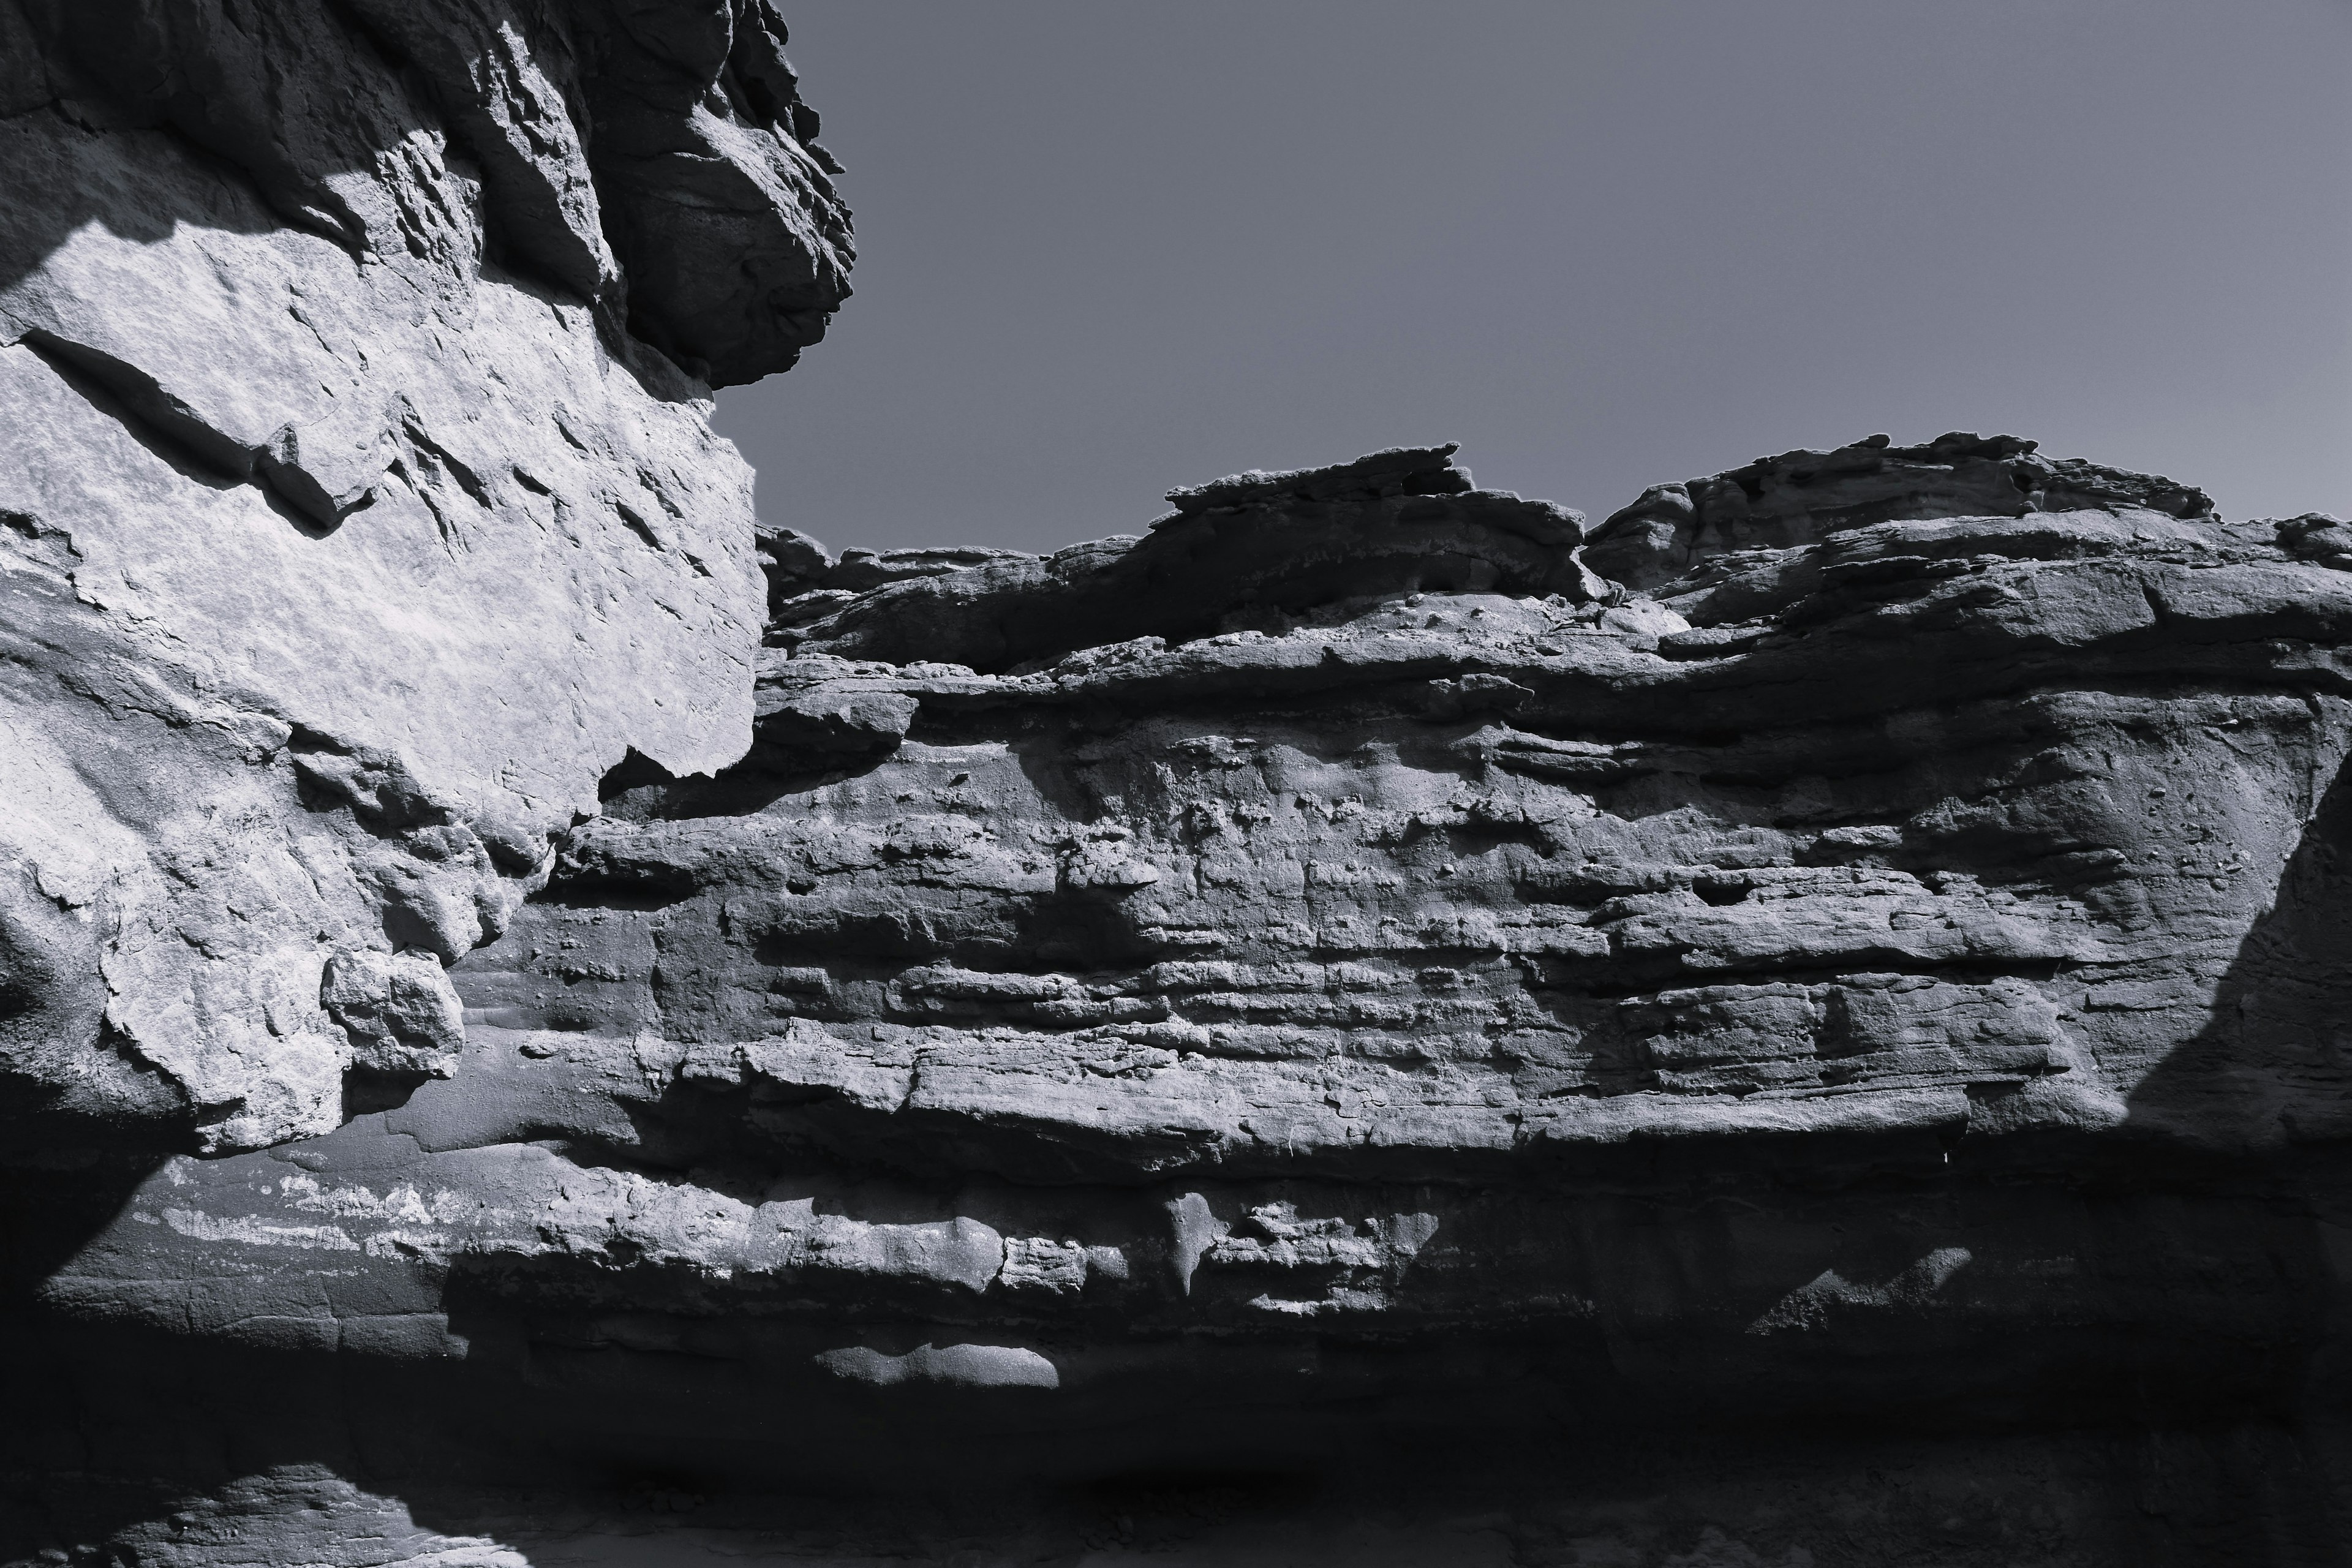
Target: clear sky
[{"x": 1107, "y": 246}]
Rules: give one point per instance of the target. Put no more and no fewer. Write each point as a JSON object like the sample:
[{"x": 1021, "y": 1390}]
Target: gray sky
[{"x": 1108, "y": 247}]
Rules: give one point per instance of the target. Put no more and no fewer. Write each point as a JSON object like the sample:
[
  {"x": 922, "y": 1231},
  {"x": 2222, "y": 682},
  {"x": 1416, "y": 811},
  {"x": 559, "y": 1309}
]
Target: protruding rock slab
[{"x": 347, "y": 538}]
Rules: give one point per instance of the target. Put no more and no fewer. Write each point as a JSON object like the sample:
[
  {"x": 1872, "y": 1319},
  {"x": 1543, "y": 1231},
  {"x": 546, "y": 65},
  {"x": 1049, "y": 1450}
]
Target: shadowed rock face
[
  {"x": 1360, "y": 1022},
  {"x": 652, "y": 159},
  {"x": 1797, "y": 497},
  {"x": 1868, "y": 989}
]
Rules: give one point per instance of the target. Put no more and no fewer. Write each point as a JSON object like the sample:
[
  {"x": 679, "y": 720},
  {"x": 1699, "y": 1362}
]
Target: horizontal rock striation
[
  {"x": 1797, "y": 497},
  {"x": 1804, "y": 1023},
  {"x": 1256, "y": 547},
  {"x": 1892, "y": 972}
]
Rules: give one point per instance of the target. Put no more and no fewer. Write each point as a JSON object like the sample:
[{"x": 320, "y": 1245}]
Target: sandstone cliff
[{"x": 1800, "y": 1024}]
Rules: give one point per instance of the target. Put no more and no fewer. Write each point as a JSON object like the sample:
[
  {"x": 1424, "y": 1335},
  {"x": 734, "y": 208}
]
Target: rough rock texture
[
  {"x": 1424, "y": 1005},
  {"x": 346, "y": 538},
  {"x": 1358, "y": 1025},
  {"x": 1797, "y": 497}
]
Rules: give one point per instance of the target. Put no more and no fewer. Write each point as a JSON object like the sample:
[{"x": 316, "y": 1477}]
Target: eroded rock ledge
[
  {"x": 1338, "y": 951},
  {"x": 1364, "y": 1017}
]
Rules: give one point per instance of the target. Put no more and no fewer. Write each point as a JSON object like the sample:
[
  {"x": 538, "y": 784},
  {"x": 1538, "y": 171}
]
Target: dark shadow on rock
[
  {"x": 788, "y": 755},
  {"x": 49, "y": 1210},
  {"x": 196, "y": 103},
  {"x": 285, "y": 104},
  {"x": 182, "y": 443},
  {"x": 2274, "y": 1063},
  {"x": 2252, "y": 1113},
  {"x": 1244, "y": 555}
]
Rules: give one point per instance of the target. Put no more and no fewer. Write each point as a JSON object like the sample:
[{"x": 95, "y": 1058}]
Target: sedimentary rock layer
[
  {"x": 1888, "y": 974},
  {"x": 528, "y": 999}
]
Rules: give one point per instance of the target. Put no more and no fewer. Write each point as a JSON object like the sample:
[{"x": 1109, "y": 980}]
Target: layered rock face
[{"x": 1369, "y": 1021}]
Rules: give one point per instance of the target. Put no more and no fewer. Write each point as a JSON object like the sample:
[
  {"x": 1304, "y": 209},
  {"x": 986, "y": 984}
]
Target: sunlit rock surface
[
  {"x": 346, "y": 536},
  {"x": 1361, "y": 1022}
]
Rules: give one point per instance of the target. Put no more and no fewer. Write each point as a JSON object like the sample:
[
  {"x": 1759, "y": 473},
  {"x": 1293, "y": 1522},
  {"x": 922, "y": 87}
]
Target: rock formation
[
  {"x": 1803, "y": 1024},
  {"x": 328, "y": 395}
]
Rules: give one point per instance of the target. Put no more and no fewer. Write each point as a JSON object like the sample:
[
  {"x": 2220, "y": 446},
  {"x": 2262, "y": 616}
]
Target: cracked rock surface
[
  {"x": 1422, "y": 978},
  {"x": 348, "y": 535},
  {"x": 1369, "y": 1020}
]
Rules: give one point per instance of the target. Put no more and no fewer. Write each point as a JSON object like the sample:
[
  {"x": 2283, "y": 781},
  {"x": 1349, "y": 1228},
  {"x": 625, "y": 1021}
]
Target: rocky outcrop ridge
[
  {"x": 1797, "y": 497},
  {"x": 527, "y": 1000},
  {"x": 1256, "y": 547},
  {"x": 1888, "y": 970}
]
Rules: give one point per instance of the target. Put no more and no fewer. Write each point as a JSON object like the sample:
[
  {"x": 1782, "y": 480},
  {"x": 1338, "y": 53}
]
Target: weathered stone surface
[
  {"x": 1891, "y": 968},
  {"x": 1359, "y": 1023},
  {"x": 1797, "y": 497},
  {"x": 1249, "y": 551},
  {"x": 349, "y": 539}
]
